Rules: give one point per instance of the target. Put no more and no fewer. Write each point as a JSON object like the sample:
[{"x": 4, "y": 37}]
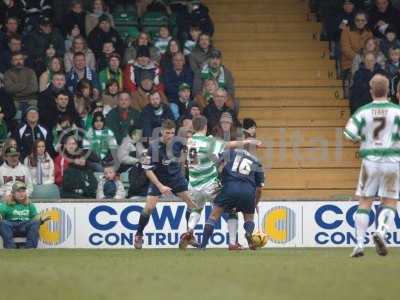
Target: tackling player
[
  {"x": 242, "y": 181},
  {"x": 204, "y": 183},
  {"x": 376, "y": 125},
  {"x": 163, "y": 168}
]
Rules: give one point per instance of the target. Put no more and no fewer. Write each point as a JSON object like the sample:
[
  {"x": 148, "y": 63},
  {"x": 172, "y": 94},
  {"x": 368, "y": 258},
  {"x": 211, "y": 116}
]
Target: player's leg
[
  {"x": 233, "y": 225},
  {"x": 367, "y": 188},
  {"x": 249, "y": 226},
  {"x": 389, "y": 192},
  {"x": 210, "y": 224},
  {"x": 151, "y": 202}
]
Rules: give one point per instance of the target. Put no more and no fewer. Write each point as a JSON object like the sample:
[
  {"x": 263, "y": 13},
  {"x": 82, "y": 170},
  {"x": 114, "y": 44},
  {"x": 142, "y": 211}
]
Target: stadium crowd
[
  {"x": 364, "y": 40},
  {"x": 85, "y": 86}
]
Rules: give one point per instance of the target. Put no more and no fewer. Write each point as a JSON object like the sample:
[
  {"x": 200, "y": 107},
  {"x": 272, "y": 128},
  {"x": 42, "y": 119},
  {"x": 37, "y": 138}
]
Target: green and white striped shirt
[{"x": 202, "y": 154}]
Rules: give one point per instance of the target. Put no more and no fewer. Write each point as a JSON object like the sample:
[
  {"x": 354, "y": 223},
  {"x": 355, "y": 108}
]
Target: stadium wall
[{"x": 113, "y": 224}]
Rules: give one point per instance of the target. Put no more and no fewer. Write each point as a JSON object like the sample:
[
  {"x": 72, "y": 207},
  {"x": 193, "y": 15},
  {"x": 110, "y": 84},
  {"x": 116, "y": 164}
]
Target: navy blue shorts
[
  {"x": 241, "y": 197},
  {"x": 178, "y": 186}
]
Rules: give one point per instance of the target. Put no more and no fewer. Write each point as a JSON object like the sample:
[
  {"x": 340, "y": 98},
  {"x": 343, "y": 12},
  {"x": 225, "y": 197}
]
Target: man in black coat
[{"x": 382, "y": 15}]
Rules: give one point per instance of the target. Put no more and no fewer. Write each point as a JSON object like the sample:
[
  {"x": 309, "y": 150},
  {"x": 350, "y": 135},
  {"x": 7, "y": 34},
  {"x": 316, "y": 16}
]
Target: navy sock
[
  {"x": 249, "y": 227},
  {"x": 143, "y": 220},
  {"x": 208, "y": 231},
  {"x": 187, "y": 215}
]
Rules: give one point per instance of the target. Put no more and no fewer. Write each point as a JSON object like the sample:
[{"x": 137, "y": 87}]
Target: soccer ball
[{"x": 260, "y": 239}]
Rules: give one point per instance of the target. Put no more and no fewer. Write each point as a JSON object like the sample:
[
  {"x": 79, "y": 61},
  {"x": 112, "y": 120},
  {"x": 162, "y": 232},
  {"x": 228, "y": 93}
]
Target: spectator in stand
[
  {"x": 35, "y": 11},
  {"x": 7, "y": 111},
  {"x": 104, "y": 32},
  {"x": 162, "y": 41},
  {"x": 44, "y": 43},
  {"x": 100, "y": 140},
  {"x": 181, "y": 106},
  {"x": 110, "y": 96},
  {"x": 179, "y": 73},
  {"x": 18, "y": 216},
  {"x": 12, "y": 8},
  {"x": 30, "y": 131},
  {"x": 360, "y": 91},
  {"x": 84, "y": 103},
  {"x": 112, "y": 72},
  {"x": 214, "y": 109},
  {"x": 9, "y": 29},
  {"x": 110, "y": 186},
  {"x": 191, "y": 43},
  {"x": 249, "y": 128},
  {"x": 12, "y": 171},
  {"x": 140, "y": 98},
  {"x": 198, "y": 14},
  {"x": 393, "y": 64},
  {"x": 14, "y": 46},
  {"x": 382, "y": 15},
  {"x": 21, "y": 83},
  {"x": 214, "y": 69},
  {"x": 59, "y": 108},
  {"x": 154, "y": 114},
  {"x": 193, "y": 112},
  {"x": 79, "y": 45},
  {"x": 99, "y": 9},
  {"x": 55, "y": 65},
  {"x": 225, "y": 129},
  {"x": 76, "y": 16},
  {"x": 8, "y": 142},
  {"x": 80, "y": 71},
  {"x": 72, "y": 173},
  {"x": 133, "y": 72},
  {"x": 131, "y": 149},
  {"x": 41, "y": 167},
  {"x": 210, "y": 86},
  {"x": 352, "y": 40},
  {"x": 390, "y": 41},
  {"x": 142, "y": 40},
  {"x": 371, "y": 46},
  {"x": 122, "y": 117},
  {"x": 201, "y": 53},
  {"x": 108, "y": 50},
  {"x": 172, "y": 48},
  {"x": 71, "y": 34},
  {"x": 65, "y": 127}
]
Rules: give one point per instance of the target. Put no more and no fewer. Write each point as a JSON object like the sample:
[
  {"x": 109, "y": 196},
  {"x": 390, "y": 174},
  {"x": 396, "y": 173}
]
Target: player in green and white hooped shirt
[
  {"x": 204, "y": 184},
  {"x": 377, "y": 127}
]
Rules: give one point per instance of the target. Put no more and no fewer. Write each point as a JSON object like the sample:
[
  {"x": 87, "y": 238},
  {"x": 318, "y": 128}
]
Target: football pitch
[{"x": 213, "y": 274}]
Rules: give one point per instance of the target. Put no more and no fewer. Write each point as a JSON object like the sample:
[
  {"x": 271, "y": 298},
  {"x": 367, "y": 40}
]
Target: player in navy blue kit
[
  {"x": 242, "y": 180},
  {"x": 163, "y": 168}
]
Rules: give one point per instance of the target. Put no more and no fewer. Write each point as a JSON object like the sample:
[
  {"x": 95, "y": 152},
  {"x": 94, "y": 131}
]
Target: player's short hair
[
  {"x": 379, "y": 86},
  {"x": 199, "y": 123},
  {"x": 168, "y": 124},
  {"x": 76, "y": 54}
]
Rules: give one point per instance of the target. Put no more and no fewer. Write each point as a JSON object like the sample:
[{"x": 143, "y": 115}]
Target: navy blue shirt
[
  {"x": 165, "y": 160},
  {"x": 241, "y": 166}
]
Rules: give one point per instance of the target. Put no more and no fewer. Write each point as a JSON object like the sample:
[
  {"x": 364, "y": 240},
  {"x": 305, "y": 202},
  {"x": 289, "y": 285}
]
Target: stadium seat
[
  {"x": 128, "y": 31},
  {"x": 45, "y": 192},
  {"x": 154, "y": 18}
]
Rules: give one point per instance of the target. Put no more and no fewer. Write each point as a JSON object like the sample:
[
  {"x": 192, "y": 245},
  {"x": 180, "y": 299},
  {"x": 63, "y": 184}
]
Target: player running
[
  {"x": 163, "y": 168},
  {"x": 242, "y": 181},
  {"x": 376, "y": 125},
  {"x": 204, "y": 183}
]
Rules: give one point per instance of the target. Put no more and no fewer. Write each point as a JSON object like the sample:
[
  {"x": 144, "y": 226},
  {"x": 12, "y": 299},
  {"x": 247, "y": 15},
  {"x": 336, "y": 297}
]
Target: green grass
[{"x": 212, "y": 274}]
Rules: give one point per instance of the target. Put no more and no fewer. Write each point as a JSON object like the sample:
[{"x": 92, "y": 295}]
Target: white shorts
[
  {"x": 378, "y": 179},
  {"x": 205, "y": 194}
]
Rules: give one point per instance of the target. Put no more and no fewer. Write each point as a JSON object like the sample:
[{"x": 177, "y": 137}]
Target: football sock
[
  {"x": 232, "y": 228},
  {"x": 361, "y": 221},
  {"x": 143, "y": 220},
  {"x": 194, "y": 219},
  {"x": 187, "y": 214},
  {"x": 385, "y": 219},
  {"x": 249, "y": 227},
  {"x": 208, "y": 231}
]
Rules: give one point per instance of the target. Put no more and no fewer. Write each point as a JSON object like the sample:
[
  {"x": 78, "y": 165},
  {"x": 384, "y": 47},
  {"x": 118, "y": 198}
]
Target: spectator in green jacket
[
  {"x": 113, "y": 71},
  {"x": 19, "y": 217},
  {"x": 122, "y": 117}
]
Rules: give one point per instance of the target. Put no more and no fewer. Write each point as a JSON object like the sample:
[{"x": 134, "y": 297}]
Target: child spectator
[
  {"x": 110, "y": 186},
  {"x": 110, "y": 95},
  {"x": 54, "y": 65},
  {"x": 113, "y": 71},
  {"x": 161, "y": 42},
  {"x": 393, "y": 65},
  {"x": 100, "y": 140},
  {"x": 40, "y": 164},
  {"x": 194, "y": 38},
  {"x": 181, "y": 105},
  {"x": 18, "y": 214},
  {"x": 390, "y": 41},
  {"x": 249, "y": 128}
]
